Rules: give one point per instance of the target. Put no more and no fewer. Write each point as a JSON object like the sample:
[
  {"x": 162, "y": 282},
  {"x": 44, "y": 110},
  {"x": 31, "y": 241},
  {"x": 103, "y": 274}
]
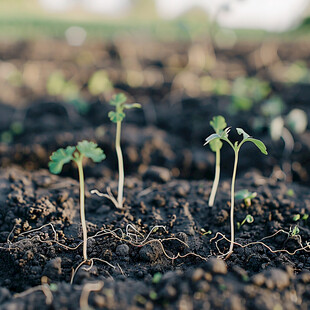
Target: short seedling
[
  {"x": 117, "y": 117},
  {"x": 246, "y": 196},
  {"x": 76, "y": 154},
  {"x": 249, "y": 219},
  {"x": 223, "y": 135},
  {"x": 218, "y": 123}
]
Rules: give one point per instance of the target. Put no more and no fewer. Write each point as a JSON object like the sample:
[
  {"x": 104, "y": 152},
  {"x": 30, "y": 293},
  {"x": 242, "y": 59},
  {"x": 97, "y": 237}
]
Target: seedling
[
  {"x": 223, "y": 135},
  {"x": 249, "y": 219},
  {"x": 117, "y": 116},
  {"x": 246, "y": 196},
  {"x": 218, "y": 123},
  {"x": 294, "y": 232},
  {"x": 296, "y": 217},
  {"x": 76, "y": 154}
]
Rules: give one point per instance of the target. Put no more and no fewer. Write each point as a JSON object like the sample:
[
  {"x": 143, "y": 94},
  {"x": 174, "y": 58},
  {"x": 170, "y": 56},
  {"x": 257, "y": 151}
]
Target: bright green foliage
[
  {"x": 63, "y": 156},
  {"x": 118, "y": 101},
  {"x": 296, "y": 217},
  {"x": 77, "y": 153},
  {"x": 236, "y": 148},
  {"x": 218, "y": 123},
  {"x": 91, "y": 150},
  {"x": 59, "y": 158}
]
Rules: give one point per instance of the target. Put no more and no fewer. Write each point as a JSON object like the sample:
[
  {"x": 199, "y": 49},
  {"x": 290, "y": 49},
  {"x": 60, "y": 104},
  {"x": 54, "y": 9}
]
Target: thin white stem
[
  {"x": 120, "y": 165},
  {"x": 82, "y": 205},
  {"x": 232, "y": 205},
  {"x": 216, "y": 178}
]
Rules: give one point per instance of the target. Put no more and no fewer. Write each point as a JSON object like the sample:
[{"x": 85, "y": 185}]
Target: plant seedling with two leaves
[
  {"x": 84, "y": 149},
  {"x": 246, "y": 196},
  {"x": 117, "y": 116},
  {"x": 223, "y": 135},
  {"x": 218, "y": 123}
]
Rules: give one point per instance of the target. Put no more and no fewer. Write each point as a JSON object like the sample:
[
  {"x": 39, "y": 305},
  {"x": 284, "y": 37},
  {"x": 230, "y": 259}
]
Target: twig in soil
[
  {"x": 89, "y": 287},
  {"x": 44, "y": 287},
  {"x": 302, "y": 247},
  {"x": 109, "y": 196}
]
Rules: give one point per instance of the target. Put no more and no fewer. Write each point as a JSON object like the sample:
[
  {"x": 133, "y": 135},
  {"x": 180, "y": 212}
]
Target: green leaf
[
  {"x": 59, "y": 158},
  {"x": 259, "y": 144},
  {"x": 91, "y": 150},
  {"x": 118, "y": 99},
  {"x": 244, "y": 193},
  {"x": 216, "y": 145},
  {"x": 212, "y": 138},
  {"x": 131, "y": 105},
  {"x": 218, "y": 123},
  {"x": 242, "y": 132},
  {"x": 116, "y": 116}
]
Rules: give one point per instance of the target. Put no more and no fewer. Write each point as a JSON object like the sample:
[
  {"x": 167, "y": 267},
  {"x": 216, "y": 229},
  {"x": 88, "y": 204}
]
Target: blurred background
[{"x": 184, "y": 60}]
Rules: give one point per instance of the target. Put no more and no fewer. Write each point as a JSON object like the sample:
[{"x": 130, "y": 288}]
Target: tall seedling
[
  {"x": 76, "y": 154},
  {"x": 117, "y": 116},
  {"x": 218, "y": 123},
  {"x": 223, "y": 135}
]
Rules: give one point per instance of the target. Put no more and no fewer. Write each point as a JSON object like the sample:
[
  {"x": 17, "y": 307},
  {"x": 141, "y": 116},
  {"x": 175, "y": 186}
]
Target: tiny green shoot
[
  {"x": 296, "y": 217},
  {"x": 117, "y": 116},
  {"x": 305, "y": 217},
  {"x": 246, "y": 196},
  {"x": 218, "y": 123},
  {"x": 223, "y": 135},
  {"x": 84, "y": 149},
  {"x": 249, "y": 219},
  {"x": 294, "y": 232}
]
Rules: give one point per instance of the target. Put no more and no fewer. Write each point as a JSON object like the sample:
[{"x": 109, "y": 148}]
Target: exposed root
[
  {"x": 226, "y": 255},
  {"x": 109, "y": 196}
]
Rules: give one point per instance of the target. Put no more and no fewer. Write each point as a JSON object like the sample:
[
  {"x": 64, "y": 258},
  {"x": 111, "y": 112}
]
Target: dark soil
[{"x": 163, "y": 250}]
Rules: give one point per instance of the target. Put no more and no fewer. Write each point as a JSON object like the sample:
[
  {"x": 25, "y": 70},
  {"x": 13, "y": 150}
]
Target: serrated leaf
[
  {"x": 116, "y": 116},
  {"x": 59, "y": 158},
  {"x": 131, "y": 105},
  {"x": 216, "y": 145},
  {"x": 259, "y": 144},
  {"x": 242, "y": 132},
  {"x": 118, "y": 99},
  {"x": 218, "y": 123},
  {"x": 91, "y": 150}
]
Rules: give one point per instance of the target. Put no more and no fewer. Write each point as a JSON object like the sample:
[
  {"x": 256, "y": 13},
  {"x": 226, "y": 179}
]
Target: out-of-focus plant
[
  {"x": 247, "y": 91},
  {"x": 297, "y": 72},
  {"x": 246, "y": 196},
  {"x": 99, "y": 83},
  {"x": 68, "y": 90}
]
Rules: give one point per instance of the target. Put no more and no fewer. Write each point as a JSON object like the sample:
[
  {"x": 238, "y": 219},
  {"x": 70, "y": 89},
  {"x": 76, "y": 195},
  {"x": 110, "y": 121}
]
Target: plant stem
[
  {"x": 79, "y": 163},
  {"x": 216, "y": 178},
  {"x": 120, "y": 165},
  {"x": 232, "y": 205}
]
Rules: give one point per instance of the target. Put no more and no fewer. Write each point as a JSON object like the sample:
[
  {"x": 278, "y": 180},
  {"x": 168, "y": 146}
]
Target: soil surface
[{"x": 164, "y": 250}]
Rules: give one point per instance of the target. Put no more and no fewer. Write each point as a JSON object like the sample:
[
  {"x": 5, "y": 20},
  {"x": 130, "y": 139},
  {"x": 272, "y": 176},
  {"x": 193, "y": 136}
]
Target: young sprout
[
  {"x": 249, "y": 219},
  {"x": 218, "y": 123},
  {"x": 246, "y": 196},
  {"x": 223, "y": 135},
  {"x": 76, "y": 154},
  {"x": 117, "y": 117},
  {"x": 294, "y": 232}
]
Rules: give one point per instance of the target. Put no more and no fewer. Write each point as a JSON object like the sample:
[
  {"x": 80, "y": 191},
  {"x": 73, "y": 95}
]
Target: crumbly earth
[{"x": 164, "y": 250}]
